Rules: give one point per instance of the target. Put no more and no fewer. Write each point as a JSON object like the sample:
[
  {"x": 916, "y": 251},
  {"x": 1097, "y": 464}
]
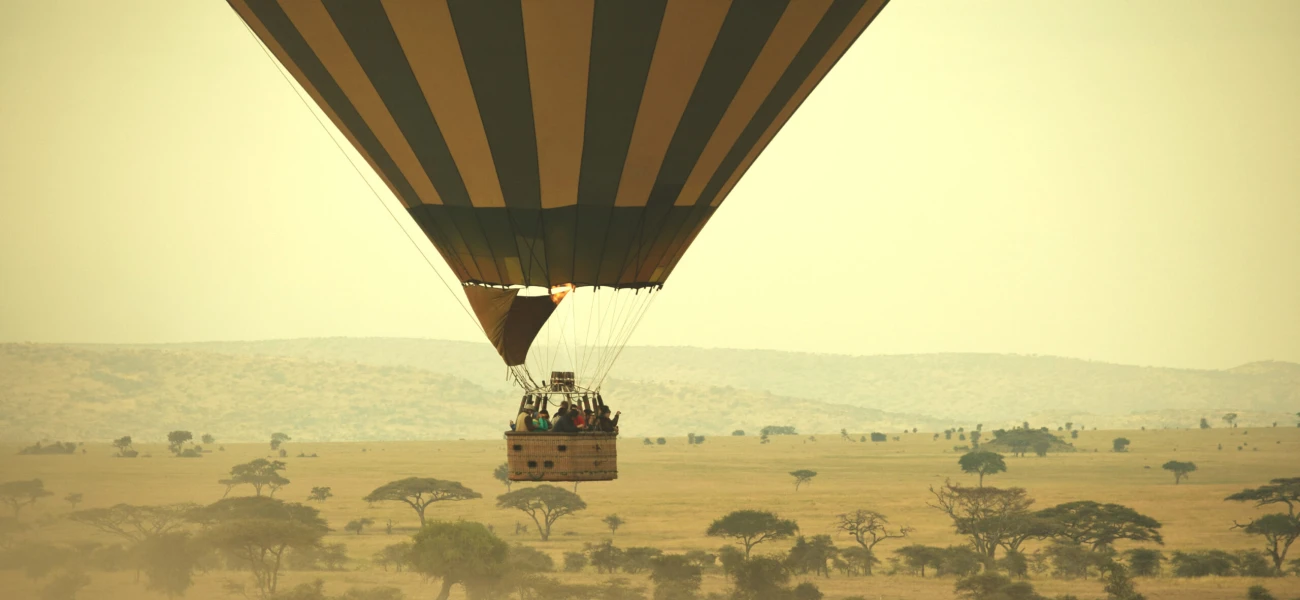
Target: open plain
[{"x": 668, "y": 495}]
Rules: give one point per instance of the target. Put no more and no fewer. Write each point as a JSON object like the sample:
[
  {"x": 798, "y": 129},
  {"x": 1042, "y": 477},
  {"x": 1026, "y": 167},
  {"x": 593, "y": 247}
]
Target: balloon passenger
[
  {"x": 524, "y": 422},
  {"x": 605, "y": 424}
]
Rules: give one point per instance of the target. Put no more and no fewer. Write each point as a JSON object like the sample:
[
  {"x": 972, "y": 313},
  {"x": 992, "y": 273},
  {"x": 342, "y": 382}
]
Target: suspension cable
[{"x": 289, "y": 81}]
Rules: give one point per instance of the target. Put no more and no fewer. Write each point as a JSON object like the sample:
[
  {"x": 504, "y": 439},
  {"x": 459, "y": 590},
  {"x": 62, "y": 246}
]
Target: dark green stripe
[
  {"x": 558, "y": 225},
  {"x": 301, "y": 54},
  {"x": 697, "y": 213},
  {"x": 554, "y": 228},
  {"x": 591, "y": 229},
  {"x": 745, "y": 30},
  {"x": 623, "y": 41},
  {"x": 829, "y": 29},
  {"x": 366, "y": 28},
  {"x": 491, "y": 38}
]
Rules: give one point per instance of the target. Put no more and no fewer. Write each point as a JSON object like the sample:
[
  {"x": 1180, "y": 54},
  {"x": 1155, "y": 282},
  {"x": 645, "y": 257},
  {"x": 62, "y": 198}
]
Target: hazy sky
[{"x": 1104, "y": 179}]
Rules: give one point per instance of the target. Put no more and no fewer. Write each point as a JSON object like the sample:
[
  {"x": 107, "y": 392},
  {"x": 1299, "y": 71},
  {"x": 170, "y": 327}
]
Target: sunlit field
[{"x": 668, "y": 495}]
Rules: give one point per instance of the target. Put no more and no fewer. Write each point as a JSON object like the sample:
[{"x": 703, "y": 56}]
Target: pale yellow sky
[{"x": 1105, "y": 179}]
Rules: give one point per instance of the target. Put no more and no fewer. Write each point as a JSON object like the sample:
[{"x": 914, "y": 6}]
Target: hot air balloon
[{"x": 560, "y": 155}]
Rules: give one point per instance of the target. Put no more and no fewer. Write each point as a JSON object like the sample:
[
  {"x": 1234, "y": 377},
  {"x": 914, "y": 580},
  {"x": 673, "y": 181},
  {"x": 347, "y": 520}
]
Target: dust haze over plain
[{"x": 1105, "y": 180}]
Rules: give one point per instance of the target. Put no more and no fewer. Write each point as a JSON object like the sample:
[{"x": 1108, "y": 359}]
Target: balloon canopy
[{"x": 549, "y": 147}]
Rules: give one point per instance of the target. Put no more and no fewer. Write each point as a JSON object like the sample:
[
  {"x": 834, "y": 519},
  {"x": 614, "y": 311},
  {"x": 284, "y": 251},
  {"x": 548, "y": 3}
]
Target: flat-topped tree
[
  {"x": 135, "y": 523},
  {"x": 278, "y": 438},
  {"x": 420, "y": 492},
  {"x": 982, "y": 462},
  {"x": 320, "y": 494},
  {"x": 502, "y": 472},
  {"x": 801, "y": 477},
  {"x": 256, "y": 531},
  {"x": 1279, "y": 530},
  {"x": 752, "y": 527},
  {"x": 613, "y": 522},
  {"x": 18, "y": 494},
  {"x": 1101, "y": 525},
  {"x": 259, "y": 473},
  {"x": 1179, "y": 469},
  {"x": 868, "y": 529},
  {"x": 544, "y": 504},
  {"x": 176, "y": 441},
  {"x": 462, "y": 553}
]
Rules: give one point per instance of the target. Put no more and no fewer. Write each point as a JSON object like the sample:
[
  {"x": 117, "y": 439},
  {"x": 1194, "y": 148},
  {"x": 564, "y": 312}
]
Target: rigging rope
[{"x": 289, "y": 81}]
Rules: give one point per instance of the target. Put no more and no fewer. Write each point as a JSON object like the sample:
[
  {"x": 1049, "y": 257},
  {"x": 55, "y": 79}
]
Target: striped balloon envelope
[{"x": 557, "y": 150}]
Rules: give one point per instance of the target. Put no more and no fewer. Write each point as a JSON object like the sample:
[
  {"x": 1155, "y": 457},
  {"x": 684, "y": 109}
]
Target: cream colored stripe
[
  {"x": 686, "y": 36},
  {"x": 796, "y": 24},
  {"x": 262, "y": 33},
  {"x": 860, "y": 22},
  {"x": 428, "y": 36},
  {"x": 314, "y": 23},
  {"x": 558, "y": 38}
]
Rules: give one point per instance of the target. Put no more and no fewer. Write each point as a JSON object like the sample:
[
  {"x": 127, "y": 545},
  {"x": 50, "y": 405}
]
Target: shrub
[
  {"x": 1258, "y": 592},
  {"x": 574, "y": 562},
  {"x": 879, "y": 437},
  {"x": 661, "y": 441}
]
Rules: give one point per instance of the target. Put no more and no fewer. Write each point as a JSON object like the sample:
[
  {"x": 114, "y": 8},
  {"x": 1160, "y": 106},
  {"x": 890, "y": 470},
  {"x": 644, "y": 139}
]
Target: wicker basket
[{"x": 562, "y": 457}]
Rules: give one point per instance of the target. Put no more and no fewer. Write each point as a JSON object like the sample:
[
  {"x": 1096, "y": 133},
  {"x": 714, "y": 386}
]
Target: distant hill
[
  {"x": 381, "y": 388},
  {"x": 959, "y": 388},
  {"x": 99, "y": 393}
]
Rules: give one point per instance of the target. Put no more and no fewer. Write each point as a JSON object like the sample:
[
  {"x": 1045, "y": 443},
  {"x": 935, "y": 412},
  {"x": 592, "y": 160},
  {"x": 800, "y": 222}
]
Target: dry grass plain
[{"x": 668, "y": 495}]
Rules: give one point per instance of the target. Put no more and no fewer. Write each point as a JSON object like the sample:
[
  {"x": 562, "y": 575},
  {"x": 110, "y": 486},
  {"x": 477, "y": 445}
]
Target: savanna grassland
[{"x": 668, "y": 495}]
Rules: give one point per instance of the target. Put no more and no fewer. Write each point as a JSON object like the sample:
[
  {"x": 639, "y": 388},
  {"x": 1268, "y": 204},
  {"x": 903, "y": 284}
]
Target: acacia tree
[
  {"x": 502, "y": 474},
  {"x": 801, "y": 477},
  {"x": 256, "y": 531},
  {"x": 168, "y": 560},
  {"x": 752, "y": 527},
  {"x": 982, "y": 462},
  {"x": 1179, "y": 469},
  {"x": 1100, "y": 525},
  {"x": 208, "y": 440},
  {"x": 136, "y": 523},
  {"x": 1119, "y": 444},
  {"x": 176, "y": 441},
  {"x": 868, "y": 528},
  {"x": 1230, "y": 419},
  {"x": 613, "y": 522},
  {"x": 420, "y": 492},
  {"x": 544, "y": 504},
  {"x": 123, "y": 445},
  {"x": 18, "y": 494},
  {"x": 1279, "y": 530},
  {"x": 990, "y": 516},
  {"x": 356, "y": 525},
  {"x": 675, "y": 576},
  {"x": 320, "y": 494},
  {"x": 259, "y": 473},
  {"x": 278, "y": 438},
  {"x": 74, "y": 499},
  {"x": 462, "y": 553}
]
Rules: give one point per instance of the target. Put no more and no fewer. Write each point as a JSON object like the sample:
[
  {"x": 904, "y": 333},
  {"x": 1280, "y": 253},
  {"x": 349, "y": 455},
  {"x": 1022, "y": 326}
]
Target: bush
[
  {"x": 879, "y": 437},
  {"x": 55, "y": 448},
  {"x": 661, "y": 441},
  {"x": 1203, "y": 563},
  {"x": 1259, "y": 592},
  {"x": 574, "y": 562},
  {"x": 738, "y": 432}
]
